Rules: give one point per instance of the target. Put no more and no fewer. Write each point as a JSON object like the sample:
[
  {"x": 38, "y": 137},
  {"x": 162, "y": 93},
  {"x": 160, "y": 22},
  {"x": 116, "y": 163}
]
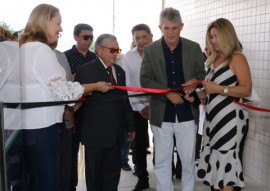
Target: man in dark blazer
[
  {"x": 105, "y": 115},
  {"x": 168, "y": 63}
]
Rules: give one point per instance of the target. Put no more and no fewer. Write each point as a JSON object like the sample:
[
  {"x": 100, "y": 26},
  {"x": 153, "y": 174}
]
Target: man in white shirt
[{"x": 140, "y": 105}]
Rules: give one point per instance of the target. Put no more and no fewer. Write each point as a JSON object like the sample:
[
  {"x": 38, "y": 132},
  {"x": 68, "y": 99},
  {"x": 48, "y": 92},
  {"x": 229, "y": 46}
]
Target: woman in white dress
[
  {"x": 43, "y": 79},
  {"x": 228, "y": 78}
]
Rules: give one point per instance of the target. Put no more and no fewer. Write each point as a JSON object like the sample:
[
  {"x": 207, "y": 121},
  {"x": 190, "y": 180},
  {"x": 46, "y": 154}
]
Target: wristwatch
[{"x": 226, "y": 90}]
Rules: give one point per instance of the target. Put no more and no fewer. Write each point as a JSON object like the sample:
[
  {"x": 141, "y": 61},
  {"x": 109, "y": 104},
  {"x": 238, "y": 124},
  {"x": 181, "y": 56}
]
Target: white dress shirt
[{"x": 132, "y": 66}]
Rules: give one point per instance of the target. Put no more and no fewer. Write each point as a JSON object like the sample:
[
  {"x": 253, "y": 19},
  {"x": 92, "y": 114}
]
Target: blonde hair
[
  {"x": 35, "y": 29},
  {"x": 226, "y": 37}
]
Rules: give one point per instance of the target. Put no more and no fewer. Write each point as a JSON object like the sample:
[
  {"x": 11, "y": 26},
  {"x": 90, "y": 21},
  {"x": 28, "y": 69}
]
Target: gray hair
[
  {"x": 170, "y": 14},
  {"x": 102, "y": 39}
]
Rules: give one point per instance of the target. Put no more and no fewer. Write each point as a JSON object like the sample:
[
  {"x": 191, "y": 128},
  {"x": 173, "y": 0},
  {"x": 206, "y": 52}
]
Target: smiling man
[
  {"x": 168, "y": 63},
  {"x": 104, "y": 117},
  {"x": 142, "y": 36}
]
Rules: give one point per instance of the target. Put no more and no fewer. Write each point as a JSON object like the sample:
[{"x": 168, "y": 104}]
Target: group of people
[{"x": 103, "y": 114}]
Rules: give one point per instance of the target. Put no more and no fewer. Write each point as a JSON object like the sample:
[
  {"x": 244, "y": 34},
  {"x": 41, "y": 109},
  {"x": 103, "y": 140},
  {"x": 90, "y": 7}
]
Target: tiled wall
[{"x": 251, "y": 19}]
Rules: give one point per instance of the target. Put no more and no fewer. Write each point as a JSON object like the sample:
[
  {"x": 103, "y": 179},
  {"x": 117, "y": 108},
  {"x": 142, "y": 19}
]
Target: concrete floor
[{"x": 128, "y": 181}]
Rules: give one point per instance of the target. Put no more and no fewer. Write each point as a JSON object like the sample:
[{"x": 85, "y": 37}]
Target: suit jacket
[
  {"x": 153, "y": 74},
  {"x": 104, "y": 115}
]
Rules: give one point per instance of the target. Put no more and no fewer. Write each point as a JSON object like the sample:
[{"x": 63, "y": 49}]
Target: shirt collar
[{"x": 105, "y": 66}]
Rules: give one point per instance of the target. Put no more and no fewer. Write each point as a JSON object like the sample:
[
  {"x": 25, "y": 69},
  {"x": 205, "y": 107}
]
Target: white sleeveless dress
[{"x": 224, "y": 127}]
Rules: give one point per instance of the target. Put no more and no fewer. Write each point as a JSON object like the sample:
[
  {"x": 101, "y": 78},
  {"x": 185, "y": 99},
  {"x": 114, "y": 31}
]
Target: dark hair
[
  {"x": 79, "y": 27},
  {"x": 5, "y": 34},
  {"x": 16, "y": 35},
  {"x": 141, "y": 27}
]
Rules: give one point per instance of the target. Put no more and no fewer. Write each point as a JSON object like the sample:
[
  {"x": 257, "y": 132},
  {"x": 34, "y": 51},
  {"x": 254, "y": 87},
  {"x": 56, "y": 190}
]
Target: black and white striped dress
[{"x": 224, "y": 126}]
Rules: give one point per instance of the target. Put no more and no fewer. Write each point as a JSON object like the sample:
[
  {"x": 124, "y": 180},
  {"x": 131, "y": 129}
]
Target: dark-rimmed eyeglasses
[
  {"x": 113, "y": 50},
  {"x": 87, "y": 37}
]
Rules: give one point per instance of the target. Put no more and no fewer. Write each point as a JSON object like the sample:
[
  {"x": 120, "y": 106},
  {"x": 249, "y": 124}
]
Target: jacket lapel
[{"x": 102, "y": 70}]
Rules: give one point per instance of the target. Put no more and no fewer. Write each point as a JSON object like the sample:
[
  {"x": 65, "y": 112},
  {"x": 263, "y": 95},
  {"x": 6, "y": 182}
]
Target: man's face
[
  {"x": 84, "y": 40},
  {"x": 108, "y": 52},
  {"x": 142, "y": 38},
  {"x": 171, "y": 31}
]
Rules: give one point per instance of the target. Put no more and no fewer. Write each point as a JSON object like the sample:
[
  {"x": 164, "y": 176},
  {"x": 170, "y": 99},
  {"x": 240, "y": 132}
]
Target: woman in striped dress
[{"x": 228, "y": 78}]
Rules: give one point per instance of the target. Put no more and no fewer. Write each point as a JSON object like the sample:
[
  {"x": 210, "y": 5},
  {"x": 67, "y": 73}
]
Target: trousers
[{"x": 185, "y": 137}]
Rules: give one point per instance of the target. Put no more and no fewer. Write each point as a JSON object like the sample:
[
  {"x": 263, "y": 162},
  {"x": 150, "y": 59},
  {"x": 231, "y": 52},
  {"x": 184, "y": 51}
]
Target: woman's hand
[
  {"x": 103, "y": 86},
  {"x": 202, "y": 96},
  {"x": 211, "y": 88}
]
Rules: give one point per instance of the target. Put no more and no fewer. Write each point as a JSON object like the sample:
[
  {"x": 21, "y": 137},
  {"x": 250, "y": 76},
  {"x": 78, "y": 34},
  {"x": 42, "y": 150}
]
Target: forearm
[
  {"x": 236, "y": 91},
  {"x": 88, "y": 88}
]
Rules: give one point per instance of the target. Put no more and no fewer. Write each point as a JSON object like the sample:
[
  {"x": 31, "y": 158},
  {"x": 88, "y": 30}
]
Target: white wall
[{"x": 251, "y": 19}]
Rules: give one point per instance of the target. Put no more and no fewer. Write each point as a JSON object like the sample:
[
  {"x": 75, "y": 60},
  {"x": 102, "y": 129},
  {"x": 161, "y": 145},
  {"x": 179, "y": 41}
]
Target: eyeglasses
[
  {"x": 113, "y": 50},
  {"x": 86, "y": 37}
]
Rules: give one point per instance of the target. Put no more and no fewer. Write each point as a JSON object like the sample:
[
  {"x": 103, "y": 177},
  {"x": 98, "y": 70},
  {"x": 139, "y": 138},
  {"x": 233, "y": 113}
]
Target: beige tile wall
[{"x": 251, "y": 19}]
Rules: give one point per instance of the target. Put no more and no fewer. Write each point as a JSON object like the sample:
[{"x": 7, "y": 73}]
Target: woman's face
[
  {"x": 214, "y": 40},
  {"x": 54, "y": 28}
]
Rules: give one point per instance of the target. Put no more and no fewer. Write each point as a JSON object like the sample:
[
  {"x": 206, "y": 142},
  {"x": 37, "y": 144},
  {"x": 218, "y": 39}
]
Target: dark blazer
[
  {"x": 105, "y": 115},
  {"x": 153, "y": 74}
]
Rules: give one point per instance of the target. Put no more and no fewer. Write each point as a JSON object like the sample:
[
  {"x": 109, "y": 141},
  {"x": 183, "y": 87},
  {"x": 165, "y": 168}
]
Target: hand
[
  {"x": 145, "y": 112},
  {"x": 211, "y": 87},
  {"x": 191, "y": 87},
  {"x": 202, "y": 96},
  {"x": 77, "y": 106},
  {"x": 189, "y": 98},
  {"x": 131, "y": 136},
  {"x": 67, "y": 114},
  {"x": 103, "y": 86},
  {"x": 175, "y": 98}
]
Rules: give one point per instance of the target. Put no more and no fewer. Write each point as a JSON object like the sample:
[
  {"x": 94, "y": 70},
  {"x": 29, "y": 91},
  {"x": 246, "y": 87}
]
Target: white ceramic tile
[{"x": 252, "y": 21}]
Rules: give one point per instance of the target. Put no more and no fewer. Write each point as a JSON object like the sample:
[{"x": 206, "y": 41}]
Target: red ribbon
[
  {"x": 156, "y": 91},
  {"x": 162, "y": 91},
  {"x": 251, "y": 106}
]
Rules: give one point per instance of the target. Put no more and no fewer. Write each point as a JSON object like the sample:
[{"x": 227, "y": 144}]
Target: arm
[
  {"x": 152, "y": 72},
  {"x": 153, "y": 75},
  {"x": 239, "y": 66},
  {"x": 196, "y": 70},
  {"x": 99, "y": 86}
]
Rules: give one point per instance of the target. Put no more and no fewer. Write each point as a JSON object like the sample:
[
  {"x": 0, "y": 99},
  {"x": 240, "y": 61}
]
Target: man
[
  {"x": 65, "y": 132},
  {"x": 79, "y": 55},
  {"x": 140, "y": 105},
  {"x": 105, "y": 116},
  {"x": 168, "y": 63}
]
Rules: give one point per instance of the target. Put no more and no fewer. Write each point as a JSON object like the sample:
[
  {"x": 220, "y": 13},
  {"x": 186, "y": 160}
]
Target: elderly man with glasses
[{"x": 105, "y": 117}]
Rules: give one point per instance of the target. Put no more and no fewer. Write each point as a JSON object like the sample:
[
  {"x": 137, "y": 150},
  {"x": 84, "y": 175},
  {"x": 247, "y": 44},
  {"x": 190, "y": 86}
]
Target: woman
[
  {"x": 228, "y": 78},
  {"x": 43, "y": 79}
]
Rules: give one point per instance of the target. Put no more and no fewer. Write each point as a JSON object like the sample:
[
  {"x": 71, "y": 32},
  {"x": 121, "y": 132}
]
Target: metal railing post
[{"x": 3, "y": 175}]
